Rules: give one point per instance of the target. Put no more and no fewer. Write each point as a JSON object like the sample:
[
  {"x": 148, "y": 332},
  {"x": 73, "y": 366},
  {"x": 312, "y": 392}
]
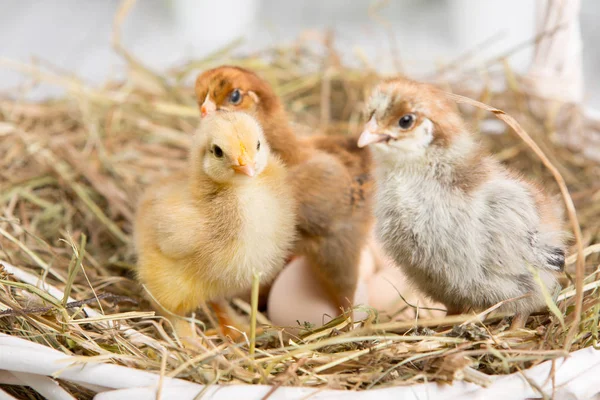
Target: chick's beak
[
  {"x": 207, "y": 107},
  {"x": 370, "y": 135},
  {"x": 244, "y": 167}
]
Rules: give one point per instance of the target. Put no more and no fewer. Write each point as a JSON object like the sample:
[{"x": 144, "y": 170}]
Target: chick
[
  {"x": 201, "y": 236},
  {"x": 330, "y": 177},
  {"x": 467, "y": 231}
]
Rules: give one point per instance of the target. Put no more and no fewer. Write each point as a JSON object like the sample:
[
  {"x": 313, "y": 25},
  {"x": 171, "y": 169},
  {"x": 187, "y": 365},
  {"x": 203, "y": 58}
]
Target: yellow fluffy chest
[
  {"x": 258, "y": 242},
  {"x": 265, "y": 230}
]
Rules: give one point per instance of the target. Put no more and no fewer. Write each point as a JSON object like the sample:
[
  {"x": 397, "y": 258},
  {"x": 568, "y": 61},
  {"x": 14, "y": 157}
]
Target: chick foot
[
  {"x": 519, "y": 321},
  {"x": 187, "y": 335},
  {"x": 228, "y": 326}
]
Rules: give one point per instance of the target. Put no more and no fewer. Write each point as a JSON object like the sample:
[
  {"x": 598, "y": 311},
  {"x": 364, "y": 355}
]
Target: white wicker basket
[{"x": 26, "y": 363}]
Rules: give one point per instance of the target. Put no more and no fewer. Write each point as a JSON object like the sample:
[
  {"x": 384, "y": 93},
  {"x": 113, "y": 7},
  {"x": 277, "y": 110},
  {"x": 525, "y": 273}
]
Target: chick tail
[{"x": 556, "y": 258}]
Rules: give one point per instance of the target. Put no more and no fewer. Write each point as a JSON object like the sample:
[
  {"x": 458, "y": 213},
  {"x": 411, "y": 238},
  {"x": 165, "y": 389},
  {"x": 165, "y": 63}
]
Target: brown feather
[{"x": 330, "y": 175}]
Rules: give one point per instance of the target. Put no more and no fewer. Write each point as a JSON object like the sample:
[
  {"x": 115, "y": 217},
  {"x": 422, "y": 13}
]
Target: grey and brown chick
[
  {"x": 466, "y": 230},
  {"x": 201, "y": 235},
  {"x": 330, "y": 176}
]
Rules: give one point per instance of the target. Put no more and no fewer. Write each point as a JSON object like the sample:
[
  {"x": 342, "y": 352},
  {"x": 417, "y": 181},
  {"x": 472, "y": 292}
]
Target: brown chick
[
  {"x": 201, "y": 236},
  {"x": 330, "y": 176},
  {"x": 467, "y": 231}
]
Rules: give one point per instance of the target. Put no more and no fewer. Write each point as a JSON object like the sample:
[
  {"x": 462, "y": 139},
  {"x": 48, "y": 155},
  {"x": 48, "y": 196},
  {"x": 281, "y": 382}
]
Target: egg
[{"x": 297, "y": 299}]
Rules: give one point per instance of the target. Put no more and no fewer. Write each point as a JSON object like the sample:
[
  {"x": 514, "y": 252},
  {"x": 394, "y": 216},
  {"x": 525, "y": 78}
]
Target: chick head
[
  {"x": 230, "y": 146},
  {"x": 233, "y": 88},
  {"x": 407, "y": 119}
]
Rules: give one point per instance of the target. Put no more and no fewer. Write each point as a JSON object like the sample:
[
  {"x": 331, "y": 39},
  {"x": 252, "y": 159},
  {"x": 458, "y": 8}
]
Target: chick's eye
[
  {"x": 258, "y": 145},
  {"x": 217, "y": 151},
  {"x": 235, "y": 97},
  {"x": 407, "y": 121}
]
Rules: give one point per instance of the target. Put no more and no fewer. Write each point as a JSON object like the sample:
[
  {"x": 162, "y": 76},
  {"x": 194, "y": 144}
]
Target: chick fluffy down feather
[
  {"x": 198, "y": 240},
  {"x": 469, "y": 250}
]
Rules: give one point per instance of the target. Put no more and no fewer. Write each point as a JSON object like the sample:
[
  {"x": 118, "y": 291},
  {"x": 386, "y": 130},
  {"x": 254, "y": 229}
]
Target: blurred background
[{"x": 414, "y": 36}]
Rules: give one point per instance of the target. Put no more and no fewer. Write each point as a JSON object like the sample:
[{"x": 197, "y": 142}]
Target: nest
[{"x": 72, "y": 169}]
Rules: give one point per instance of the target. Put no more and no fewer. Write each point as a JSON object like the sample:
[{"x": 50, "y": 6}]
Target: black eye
[
  {"x": 218, "y": 152},
  {"x": 258, "y": 145},
  {"x": 407, "y": 121},
  {"x": 235, "y": 97}
]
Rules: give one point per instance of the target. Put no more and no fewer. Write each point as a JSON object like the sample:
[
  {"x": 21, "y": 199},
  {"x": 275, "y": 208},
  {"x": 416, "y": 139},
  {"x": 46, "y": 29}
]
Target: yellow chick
[{"x": 201, "y": 236}]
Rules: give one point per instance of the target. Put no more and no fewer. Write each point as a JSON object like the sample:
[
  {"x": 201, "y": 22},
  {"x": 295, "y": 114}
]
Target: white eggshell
[
  {"x": 297, "y": 295},
  {"x": 384, "y": 287},
  {"x": 383, "y": 296},
  {"x": 367, "y": 264}
]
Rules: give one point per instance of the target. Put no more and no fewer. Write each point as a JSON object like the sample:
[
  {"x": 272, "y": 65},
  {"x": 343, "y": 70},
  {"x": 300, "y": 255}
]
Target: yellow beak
[{"x": 244, "y": 167}]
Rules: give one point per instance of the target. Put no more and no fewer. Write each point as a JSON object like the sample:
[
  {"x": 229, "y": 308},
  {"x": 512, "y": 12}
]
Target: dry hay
[{"x": 72, "y": 169}]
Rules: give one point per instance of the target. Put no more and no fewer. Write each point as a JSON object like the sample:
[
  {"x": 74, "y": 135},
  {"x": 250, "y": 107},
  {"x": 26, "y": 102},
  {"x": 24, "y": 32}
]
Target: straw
[{"x": 72, "y": 170}]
